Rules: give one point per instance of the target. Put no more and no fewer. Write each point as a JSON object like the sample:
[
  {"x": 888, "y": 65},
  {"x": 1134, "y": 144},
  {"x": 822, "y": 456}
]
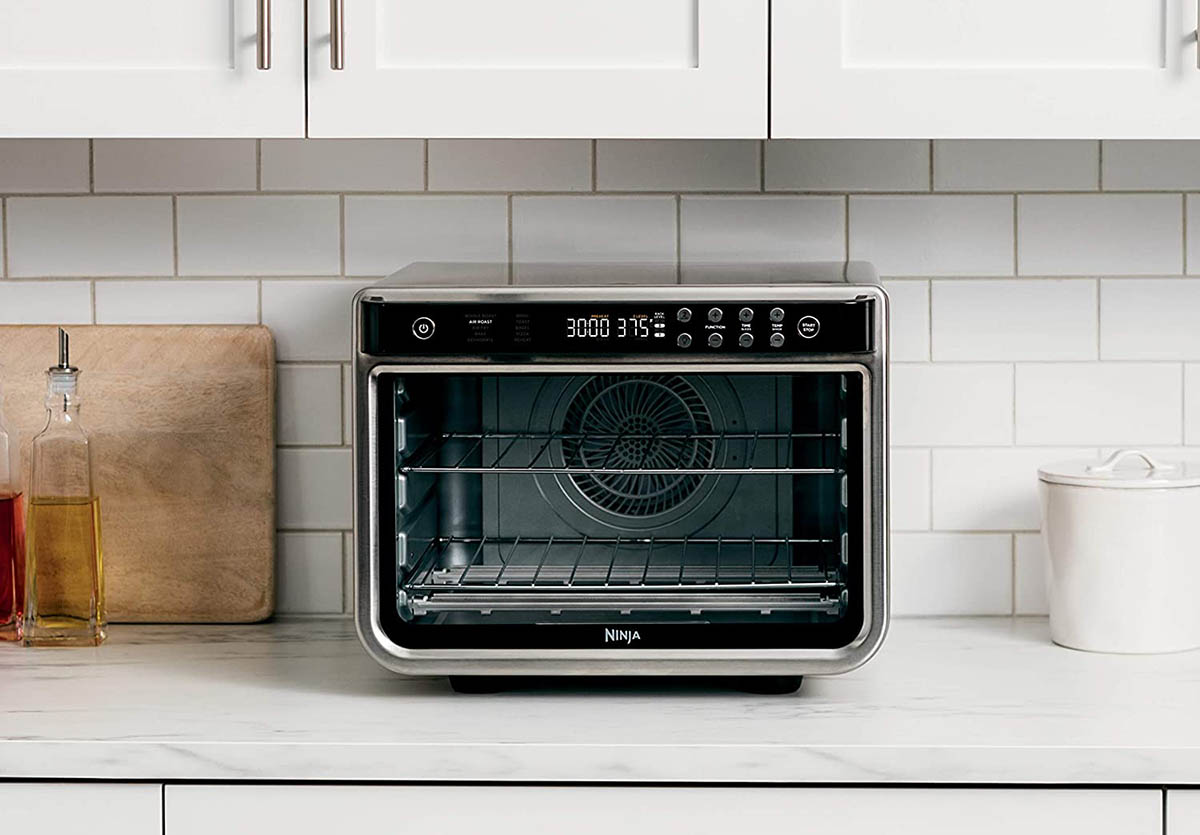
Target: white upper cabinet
[
  {"x": 985, "y": 68},
  {"x": 538, "y": 68},
  {"x": 150, "y": 68}
]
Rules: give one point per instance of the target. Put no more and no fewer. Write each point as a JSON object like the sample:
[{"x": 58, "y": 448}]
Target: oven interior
[{"x": 625, "y": 498}]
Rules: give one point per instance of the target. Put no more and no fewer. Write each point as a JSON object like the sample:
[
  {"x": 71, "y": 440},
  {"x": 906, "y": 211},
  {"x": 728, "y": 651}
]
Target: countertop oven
[{"x": 677, "y": 480}]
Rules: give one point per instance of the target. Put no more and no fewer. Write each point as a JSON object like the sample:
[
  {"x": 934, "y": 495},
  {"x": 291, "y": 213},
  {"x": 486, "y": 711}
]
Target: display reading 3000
[{"x": 600, "y": 327}]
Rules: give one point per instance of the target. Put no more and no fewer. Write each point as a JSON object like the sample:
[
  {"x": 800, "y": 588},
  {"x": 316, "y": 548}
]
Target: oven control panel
[{"x": 708, "y": 328}]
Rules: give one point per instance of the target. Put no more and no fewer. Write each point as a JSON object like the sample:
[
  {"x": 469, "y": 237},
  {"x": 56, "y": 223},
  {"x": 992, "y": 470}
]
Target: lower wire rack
[{"x": 624, "y": 574}]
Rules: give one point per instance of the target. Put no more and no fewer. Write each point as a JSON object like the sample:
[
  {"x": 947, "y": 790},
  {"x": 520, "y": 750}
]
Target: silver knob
[
  {"x": 715, "y": 340},
  {"x": 776, "y": 314},
  {"x": 684, "y": 314},
  {"x": 715, "y": 314},
  {"x": 776, "y": 340},
  {"x": 684, "y": 340},
  {"x": 746, "y": 314},
  {"x": 746, "y": 340}
]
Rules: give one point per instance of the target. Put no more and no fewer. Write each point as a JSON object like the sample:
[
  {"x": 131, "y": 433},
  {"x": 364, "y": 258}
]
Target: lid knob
[{"x": 1110, "y": 463}]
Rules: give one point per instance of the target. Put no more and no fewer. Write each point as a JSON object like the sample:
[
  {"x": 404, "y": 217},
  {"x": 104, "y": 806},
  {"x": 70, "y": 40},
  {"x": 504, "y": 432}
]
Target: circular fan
[{"x": 624, "y": 423}]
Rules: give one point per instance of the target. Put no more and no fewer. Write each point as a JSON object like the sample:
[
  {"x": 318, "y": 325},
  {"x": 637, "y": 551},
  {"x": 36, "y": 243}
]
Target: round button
[
  {"x": 776, "y": 314},
  {"x": 776, "y": 340},
  {"x": 746, "y": 340},
  {"x": 715, "y": 340},
  {"x": 684, "y": 314},
  {"x": 423, "y": 328},
  {"x": 684, "y": 340},
  {"x": 808, "y": 327},
  {"x": 715, "y": 314},
  {"x": 745, "y": 314}
]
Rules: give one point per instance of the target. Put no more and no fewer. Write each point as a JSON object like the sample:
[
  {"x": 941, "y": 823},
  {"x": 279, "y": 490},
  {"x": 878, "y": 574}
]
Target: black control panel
[{"x": 614, "y": 328}]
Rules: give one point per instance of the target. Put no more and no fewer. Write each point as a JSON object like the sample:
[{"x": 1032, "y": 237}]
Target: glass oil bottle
[
  {"x": 64, "y": 568},
  {"x": 12, "y": 535}
]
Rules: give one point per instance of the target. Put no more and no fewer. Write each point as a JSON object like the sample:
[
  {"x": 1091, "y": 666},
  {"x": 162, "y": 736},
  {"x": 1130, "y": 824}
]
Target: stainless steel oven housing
[{"x": 872, "y": 434}]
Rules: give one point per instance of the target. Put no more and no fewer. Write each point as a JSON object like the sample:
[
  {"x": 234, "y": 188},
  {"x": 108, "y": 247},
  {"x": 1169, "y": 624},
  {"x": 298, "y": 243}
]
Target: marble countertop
[{"x": 946, "y": 701}]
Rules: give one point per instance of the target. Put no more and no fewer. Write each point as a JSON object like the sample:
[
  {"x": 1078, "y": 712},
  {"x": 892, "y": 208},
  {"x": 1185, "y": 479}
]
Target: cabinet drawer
[
  {"x": 594, "y": 810},
  {"x": 94, "y": 808}
]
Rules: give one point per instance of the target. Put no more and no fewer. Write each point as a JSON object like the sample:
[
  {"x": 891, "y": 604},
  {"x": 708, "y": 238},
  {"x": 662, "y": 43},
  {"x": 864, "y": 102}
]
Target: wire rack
[
  {"x": 619, "y": 574},
  {"x": 547, "y": 452}
]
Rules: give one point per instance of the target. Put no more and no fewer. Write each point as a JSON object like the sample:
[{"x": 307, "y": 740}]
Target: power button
[{"x": 423, "y": 328}]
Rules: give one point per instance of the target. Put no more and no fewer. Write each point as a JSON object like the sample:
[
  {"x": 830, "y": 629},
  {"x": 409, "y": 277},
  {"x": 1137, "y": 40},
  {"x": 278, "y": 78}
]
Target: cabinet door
[
  {"x": 530, "y": 68},
  {"x": 111, "y": 68},
  {"x": 985, "y": 68},
  {"x": 1183, "y": 812},
  {"x": 592, "y": 810},
  {"x": 94, "y": 808}
]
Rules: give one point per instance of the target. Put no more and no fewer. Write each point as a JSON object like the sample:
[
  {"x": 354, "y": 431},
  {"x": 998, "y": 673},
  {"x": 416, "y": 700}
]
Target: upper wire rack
[{"x": 543, "y": 452}]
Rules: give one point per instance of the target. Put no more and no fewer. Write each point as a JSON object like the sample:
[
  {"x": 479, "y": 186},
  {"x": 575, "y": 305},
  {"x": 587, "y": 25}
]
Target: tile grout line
[
  {"x": 341, "y": 236},
  {"x": 175, "y": 234}
]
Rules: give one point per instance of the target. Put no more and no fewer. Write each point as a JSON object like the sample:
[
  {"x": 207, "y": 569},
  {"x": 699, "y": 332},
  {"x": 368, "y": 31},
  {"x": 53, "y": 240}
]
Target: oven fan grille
[{"x": 638, "y": 423}]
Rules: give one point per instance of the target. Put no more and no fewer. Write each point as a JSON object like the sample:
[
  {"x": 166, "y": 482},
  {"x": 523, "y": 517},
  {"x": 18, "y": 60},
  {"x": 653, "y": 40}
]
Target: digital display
[{"x": 606, "y": 327}]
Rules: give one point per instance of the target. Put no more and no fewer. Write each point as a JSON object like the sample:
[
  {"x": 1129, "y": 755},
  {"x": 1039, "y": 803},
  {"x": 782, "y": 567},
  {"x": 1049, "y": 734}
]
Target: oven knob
[
  {"x": 423, "y": 328},
  {"x": 715, "y": 340},
  {"x": 684, "y": 314},
  {"x": 776, "y": 340},
  {"x": 715, "y": 314},
  {"x": 746, "y": 340},
  {"x": 776, "y": 314},
  {"x": 745, "y": 314},
  {"x": 684, "y": 340},
  {"x": 808, "y": 327}
]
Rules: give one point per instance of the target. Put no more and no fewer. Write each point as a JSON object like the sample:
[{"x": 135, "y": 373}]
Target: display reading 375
[{"x": 601, "y": 327}]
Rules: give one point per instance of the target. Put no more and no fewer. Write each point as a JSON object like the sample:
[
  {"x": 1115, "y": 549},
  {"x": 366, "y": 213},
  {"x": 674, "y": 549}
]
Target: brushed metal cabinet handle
[
  {"x": 264, "y": 34},
  {"x": 337, "y": 35}
]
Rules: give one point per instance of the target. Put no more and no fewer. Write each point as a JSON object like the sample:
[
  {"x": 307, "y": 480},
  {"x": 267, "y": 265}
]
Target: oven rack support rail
[
  {"x": 543, "y": 453},
  {"x": 620, "y": 574}
]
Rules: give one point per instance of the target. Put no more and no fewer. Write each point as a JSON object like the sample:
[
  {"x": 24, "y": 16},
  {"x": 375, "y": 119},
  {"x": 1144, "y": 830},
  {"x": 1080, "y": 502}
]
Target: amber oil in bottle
[{"x": 64, "y": 569}]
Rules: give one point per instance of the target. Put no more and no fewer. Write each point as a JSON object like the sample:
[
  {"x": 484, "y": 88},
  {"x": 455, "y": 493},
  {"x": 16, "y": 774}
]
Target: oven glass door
[{"x": 656, "y": 507}]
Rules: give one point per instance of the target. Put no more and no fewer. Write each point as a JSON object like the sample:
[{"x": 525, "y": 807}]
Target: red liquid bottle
[{"x": 12, "y": 537}]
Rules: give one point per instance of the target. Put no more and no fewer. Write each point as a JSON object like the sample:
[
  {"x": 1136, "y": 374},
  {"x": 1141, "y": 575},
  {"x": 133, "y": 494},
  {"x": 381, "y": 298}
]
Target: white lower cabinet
[
  {"x": 595, "y": 810},
  {"x": 1183, "y": 812},
  {"x": 94, "y": 808}
]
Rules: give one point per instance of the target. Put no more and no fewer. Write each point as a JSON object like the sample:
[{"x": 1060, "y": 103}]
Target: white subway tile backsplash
[
  {"x": 910, "y": 489},
  {"x": 510, "y": 165},
  {"x": 1098, "y": 403},
  {"x": 45, "y": 303},
  {"x": 309, "y": 401},
  {"x": 259, "y": 235},
  {"x": 908, "y": 320},
  {"x": 1030, "y": 573},
  {"x": 1142, "y": 165},
  {"x": 741, "y": 230},
  {"x": 310, "y": 319},
  {"x": 89, "y": 236},
  {"x": 39, "y": 166},
  {"x": 991, "y": 489},
  {"x": 1014, "y": 319},
  {"x": 847, "y": 165},
  {"x": 1099, "y": 234},
  {"x": 1099, "y": 360},
  {"x": 1015, "y": 165},
  {"x": 677, "y": 165},
  {"x": 1191, "y": 409},
  {"x": 1149, "y": 319},
  {"x": 384, "y": 234},
  {"x": 951, "y": 574},
  {"x": 343, "y": 164},
  {"x": 308, "y": 574},
  {"x": 176, "y": 302},
  {"x": 173, "y": 165},
  {"x": 314, "y": 489},
  {"x": 612, "y": 231},
  {"x": 951, "y": 404},
  {"x": 957, "y": 235}
]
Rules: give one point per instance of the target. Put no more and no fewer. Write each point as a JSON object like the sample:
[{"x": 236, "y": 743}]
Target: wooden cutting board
[{"x": 183, "y": 426}]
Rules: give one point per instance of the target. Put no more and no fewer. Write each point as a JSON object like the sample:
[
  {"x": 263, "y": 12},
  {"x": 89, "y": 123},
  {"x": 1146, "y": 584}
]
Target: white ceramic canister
[{"x": 1122, "y": 542}]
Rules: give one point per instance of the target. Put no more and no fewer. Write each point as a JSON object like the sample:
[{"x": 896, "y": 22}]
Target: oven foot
[{"x": 769, "y": 685}]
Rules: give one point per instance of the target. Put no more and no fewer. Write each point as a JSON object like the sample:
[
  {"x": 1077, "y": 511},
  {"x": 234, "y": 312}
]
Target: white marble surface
[{"x": 945, "y": 701}]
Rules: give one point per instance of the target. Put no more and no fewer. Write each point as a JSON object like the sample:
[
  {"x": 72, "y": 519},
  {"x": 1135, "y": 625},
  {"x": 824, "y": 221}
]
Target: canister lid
[{"x": 1121, "y": 470}]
